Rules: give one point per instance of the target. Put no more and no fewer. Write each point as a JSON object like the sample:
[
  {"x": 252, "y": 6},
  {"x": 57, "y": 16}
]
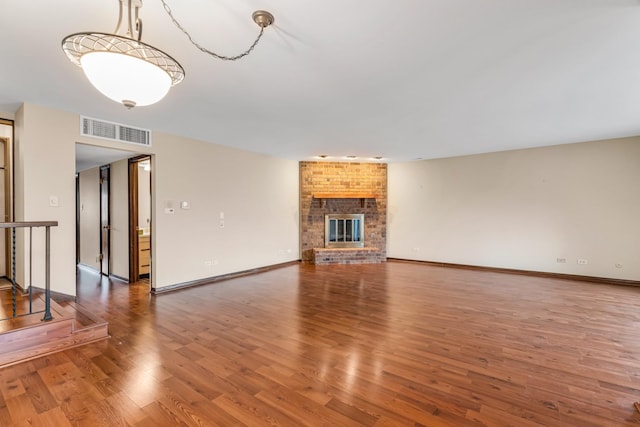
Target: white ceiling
[
  {"x": 91, "y": 156},
  {"x": 402, "y": 79}
]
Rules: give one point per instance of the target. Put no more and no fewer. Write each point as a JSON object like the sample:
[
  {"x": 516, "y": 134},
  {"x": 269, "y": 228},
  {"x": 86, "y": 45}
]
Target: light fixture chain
[{"x": 204, "y": 49}]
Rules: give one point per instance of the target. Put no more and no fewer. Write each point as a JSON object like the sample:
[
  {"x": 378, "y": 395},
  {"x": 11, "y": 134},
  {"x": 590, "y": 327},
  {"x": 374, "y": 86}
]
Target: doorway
[
  {"x": 102, "y": 216},
  {"x": 140, "y": 224},
  {"x": 105, "y": 222},
  {"x": 6, "y": 196}
]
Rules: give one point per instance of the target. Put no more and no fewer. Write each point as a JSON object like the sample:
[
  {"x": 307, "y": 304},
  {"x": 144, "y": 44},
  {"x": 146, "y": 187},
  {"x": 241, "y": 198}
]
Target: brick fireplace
[{"x": 343, "y": 188}]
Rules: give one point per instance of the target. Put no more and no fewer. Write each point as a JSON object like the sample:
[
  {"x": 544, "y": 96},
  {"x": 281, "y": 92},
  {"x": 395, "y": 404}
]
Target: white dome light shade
[
  {"x": 125, "y": 70},
  {"x": 128, "y": 71},
  {"x": 126, "y": 79}
]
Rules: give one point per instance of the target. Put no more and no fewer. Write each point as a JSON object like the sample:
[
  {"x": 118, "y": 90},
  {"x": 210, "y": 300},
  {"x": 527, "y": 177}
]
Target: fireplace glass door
[{"x": 344, "y": 231}]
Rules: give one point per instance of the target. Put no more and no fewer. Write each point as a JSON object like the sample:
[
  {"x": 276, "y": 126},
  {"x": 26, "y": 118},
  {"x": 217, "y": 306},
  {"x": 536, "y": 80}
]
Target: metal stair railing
[{"x": 14, "y": 286}]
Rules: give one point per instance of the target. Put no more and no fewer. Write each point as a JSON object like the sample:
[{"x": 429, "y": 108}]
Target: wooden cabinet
[{"x": 144, "y": 248}]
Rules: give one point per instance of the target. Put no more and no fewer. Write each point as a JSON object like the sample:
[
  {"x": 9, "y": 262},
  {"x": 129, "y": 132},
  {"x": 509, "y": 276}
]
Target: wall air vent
[{"x": 103, "y": 129}]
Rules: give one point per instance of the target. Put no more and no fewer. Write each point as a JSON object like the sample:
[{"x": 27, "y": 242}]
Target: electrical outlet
[
  {"x": 416, "y": 249},
  {"x": 618, "y": 265},
  {"x": 582, "y": 261},
  {"x": 561, "y": 260}
]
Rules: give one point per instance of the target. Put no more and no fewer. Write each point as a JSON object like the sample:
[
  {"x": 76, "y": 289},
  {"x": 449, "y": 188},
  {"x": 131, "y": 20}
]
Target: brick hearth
[{"x": 347, "y": 256}]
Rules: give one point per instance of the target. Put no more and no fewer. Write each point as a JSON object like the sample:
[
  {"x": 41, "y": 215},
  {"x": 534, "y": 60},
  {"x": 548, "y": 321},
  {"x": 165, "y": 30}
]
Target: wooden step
[{"x": 27, "y": 337}]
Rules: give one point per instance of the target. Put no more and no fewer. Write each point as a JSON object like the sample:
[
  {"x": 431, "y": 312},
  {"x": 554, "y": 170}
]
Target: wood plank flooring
[
  {"x": 394, "y": 344},
  {"x": 27, "y": 337}
]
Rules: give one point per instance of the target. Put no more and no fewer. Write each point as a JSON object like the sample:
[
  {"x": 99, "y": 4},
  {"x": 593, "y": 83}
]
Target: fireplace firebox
[{"x": 344, "y": 231}]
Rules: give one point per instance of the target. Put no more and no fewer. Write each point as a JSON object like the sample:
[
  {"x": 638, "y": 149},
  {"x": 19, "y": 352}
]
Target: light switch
[
  {"x": 53, "y": 201},
  {"x": 185, "y": 205}
]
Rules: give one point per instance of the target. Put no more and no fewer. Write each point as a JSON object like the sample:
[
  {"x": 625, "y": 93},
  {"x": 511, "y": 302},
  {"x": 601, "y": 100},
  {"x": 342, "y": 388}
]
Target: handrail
[{"x": 30, "y": 225}]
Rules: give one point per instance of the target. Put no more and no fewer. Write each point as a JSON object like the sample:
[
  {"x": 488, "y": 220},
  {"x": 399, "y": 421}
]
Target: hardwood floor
[{"x": 375, "y": 345}]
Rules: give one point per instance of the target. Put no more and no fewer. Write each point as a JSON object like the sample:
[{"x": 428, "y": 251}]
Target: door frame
[
  {"x": 105, "y": 220},
  {"x": 134, "y": 248},
  {"x": 9, "y": 205},
  {"x": 77, "y": 218}
]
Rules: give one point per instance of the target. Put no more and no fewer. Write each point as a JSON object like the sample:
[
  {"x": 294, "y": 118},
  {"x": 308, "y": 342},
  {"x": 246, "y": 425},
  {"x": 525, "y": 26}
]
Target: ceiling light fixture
[{"x": 131, "y": 72}]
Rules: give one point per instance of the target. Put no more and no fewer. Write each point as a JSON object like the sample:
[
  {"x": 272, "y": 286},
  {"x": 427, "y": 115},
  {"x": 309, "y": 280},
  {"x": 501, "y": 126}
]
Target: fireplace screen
[{"x": 344, "y": 231}]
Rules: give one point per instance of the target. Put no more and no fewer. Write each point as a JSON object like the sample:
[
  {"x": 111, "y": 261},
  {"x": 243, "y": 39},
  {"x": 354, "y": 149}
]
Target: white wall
[
  {"x": 259, "y": 195},
  {"x": 45, "y": 166},
  {"x": 6, "y": 131},
  {"x": 119, "y": 188},
  {"x": 144, "y": 198},
  {"x": 90, "y": 217},
  {"x": 18, "y": 173},
  {"x": 523, "y": 209}
]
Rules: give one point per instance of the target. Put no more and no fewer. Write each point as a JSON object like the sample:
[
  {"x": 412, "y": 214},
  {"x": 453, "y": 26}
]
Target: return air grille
[{"x": 114, "y": 131}]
